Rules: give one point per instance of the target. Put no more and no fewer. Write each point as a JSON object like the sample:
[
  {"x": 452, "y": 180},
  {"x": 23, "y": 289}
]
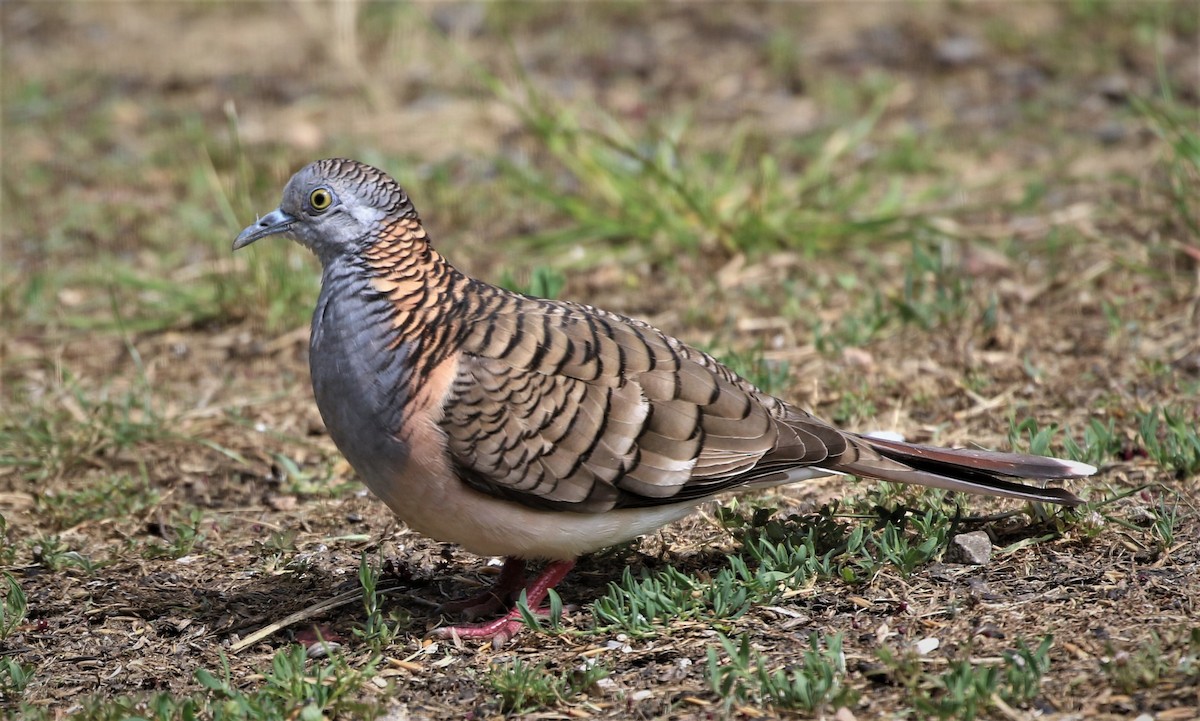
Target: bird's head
[{"x": 333, "y": 207}]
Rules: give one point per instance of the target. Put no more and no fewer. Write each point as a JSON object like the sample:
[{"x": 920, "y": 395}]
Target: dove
[{"x": 542, "y": 430}]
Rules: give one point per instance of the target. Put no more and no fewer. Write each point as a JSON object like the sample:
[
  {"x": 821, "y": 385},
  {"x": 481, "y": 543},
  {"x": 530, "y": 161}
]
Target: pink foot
[{"x": 503, "y": 629}]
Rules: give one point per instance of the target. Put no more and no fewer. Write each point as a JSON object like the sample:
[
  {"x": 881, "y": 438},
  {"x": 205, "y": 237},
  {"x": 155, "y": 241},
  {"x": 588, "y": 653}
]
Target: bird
[{"x": 542, "y": 430}]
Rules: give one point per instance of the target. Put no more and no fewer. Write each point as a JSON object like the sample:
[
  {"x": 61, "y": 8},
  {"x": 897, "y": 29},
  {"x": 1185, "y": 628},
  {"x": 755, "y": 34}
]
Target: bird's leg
[
  {"x": 504, "y": 628},
  {"x": 496, "y": 597}
]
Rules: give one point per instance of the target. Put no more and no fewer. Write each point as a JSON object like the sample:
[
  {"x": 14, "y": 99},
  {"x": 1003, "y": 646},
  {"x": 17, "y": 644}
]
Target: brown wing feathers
[{"x": 589, "y": 410}]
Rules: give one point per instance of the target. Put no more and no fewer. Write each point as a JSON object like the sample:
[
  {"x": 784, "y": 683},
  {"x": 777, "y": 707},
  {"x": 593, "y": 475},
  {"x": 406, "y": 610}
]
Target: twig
[{"x": 302, "y": 615}]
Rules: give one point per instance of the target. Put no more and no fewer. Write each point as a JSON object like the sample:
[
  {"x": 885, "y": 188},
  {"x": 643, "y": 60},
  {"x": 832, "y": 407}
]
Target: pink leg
[
  {"x": 504, "y": 628},
  {"x": 495, "y": 598}
]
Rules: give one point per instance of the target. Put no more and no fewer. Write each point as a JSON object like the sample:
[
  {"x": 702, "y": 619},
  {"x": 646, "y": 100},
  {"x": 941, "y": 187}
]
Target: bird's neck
[{"x": 421, "y": 286}]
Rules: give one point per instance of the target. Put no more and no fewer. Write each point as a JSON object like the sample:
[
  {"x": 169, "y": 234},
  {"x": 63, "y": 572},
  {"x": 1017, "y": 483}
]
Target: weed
[
  {"x": 1099, "y": 443},
  {"x": 854, "y": 329},
  {"x": 14, "y": 677},
  {"x": 635, "y": 605},
  {"x": 962, "y": 692},
  {"x": 8, "y": 551},
  {"x": 854, "y": 406},
  {"x": 907, "y": 553},
  {"x": 1165, "y": 524},
  {"x": 1131, "y": 671},
  {"x": 378, "y": 632},
  {"x": 934, "y": 293},
  {"x": 13, "y": 606},
  {"x": 182, "y": 535},
  {"x": 523, "y": 687},
  {"x": 301, "y": 482},
  {"x": 1024, "y": 671},
  {"x": 549, "y": 622},
  {"x": 52, "y": 552}
]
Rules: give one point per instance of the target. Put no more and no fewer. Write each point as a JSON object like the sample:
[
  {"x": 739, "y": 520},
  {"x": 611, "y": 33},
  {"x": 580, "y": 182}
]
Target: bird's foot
[
  {"x": 500, "y": 631},
  {"x": 497, "y": 597},
  {"x": 503, "y": 629}
]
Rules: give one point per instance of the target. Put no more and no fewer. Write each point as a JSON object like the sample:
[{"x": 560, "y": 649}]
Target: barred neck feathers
[{"x": 421, "y": 287}]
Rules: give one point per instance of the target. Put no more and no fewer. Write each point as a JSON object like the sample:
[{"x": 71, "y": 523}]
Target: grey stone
[{"x": 974, "y": 549}]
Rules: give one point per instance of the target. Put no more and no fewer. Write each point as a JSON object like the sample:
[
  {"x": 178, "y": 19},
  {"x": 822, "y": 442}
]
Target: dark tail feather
[{"x": 970, "y": 471}]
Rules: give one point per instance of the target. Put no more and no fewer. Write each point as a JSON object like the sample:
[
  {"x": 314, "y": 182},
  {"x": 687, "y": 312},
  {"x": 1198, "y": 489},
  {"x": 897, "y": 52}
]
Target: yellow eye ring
[{"x": 320, "y": 200}]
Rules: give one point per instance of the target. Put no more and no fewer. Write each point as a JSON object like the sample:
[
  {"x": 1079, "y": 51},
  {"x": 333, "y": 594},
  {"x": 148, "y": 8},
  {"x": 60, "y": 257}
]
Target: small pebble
[
  {"x": 321, "y": 649},
  {"x": 927, "y": 645},
  {"x": 974, "y": 549}
]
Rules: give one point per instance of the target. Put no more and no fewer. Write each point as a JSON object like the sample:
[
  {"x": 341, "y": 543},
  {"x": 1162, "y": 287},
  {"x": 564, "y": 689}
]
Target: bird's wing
[{"x": 559, "y": 405}]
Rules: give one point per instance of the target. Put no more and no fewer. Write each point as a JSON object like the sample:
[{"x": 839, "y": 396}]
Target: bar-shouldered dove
[{"x": 539, "y": 429}]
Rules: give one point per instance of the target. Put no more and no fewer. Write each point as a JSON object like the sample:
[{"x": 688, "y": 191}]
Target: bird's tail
[{"x": 966, "y": 470}]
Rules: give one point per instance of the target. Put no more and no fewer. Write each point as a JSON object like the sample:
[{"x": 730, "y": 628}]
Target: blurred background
[{"x": 957, "y": 220}]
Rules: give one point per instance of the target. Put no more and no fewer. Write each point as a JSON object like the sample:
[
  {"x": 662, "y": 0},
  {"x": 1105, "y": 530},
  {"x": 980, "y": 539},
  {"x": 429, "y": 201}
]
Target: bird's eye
[{"x": 320, "y": 200}]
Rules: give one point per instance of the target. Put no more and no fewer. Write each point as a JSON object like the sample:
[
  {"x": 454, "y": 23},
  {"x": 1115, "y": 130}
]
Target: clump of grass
[
  {"x": 1098, "y": 443},
  {"x": 115, "y": 496},
  {"x": 524, "y": 687},
  {"x": 543, "y": 282},
  {"x": 651, "y": 195},
  {"x": 769, "y": 376},
  {"x": 292, "y": 688},
  {"x": 69, "y": 426},
  {"x": 1171, "y": 439},
  {"x": 184, "y": 533},
  {"x": 746, "y": 676},
  {"x": 966, "y": 689},
  {"x": 1176, "y": 127},
  {"x": 777, "y": 555},
  {"x": 934, "y": 293}
]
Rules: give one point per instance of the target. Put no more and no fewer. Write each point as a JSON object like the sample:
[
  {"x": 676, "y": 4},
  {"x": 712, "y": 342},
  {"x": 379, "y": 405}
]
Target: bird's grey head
[{"x": 333, "y": 207}]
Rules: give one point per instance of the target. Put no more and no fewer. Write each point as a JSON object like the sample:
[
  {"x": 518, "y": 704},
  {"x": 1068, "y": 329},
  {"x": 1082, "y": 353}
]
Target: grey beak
[{"x": 272, "y": 223}]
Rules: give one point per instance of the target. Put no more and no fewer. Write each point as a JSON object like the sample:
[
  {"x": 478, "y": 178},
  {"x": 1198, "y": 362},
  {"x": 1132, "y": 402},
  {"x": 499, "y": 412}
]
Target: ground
[{"x": 974, "y": 224}]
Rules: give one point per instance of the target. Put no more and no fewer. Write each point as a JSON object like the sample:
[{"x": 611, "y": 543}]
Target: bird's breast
[{"x": 381, "y": 401}]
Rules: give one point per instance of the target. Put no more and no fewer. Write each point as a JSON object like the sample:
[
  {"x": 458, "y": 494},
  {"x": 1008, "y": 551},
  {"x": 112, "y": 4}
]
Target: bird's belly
[{"x": 456, "y": 513}]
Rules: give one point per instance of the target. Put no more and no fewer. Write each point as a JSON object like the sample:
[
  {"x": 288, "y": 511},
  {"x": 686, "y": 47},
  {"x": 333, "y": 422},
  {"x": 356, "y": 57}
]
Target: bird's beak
[{"x": 272, "y": 223}]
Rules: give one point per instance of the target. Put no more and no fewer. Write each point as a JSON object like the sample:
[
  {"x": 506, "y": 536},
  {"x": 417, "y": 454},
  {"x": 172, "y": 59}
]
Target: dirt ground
[{"x": 168, "y": 485}]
